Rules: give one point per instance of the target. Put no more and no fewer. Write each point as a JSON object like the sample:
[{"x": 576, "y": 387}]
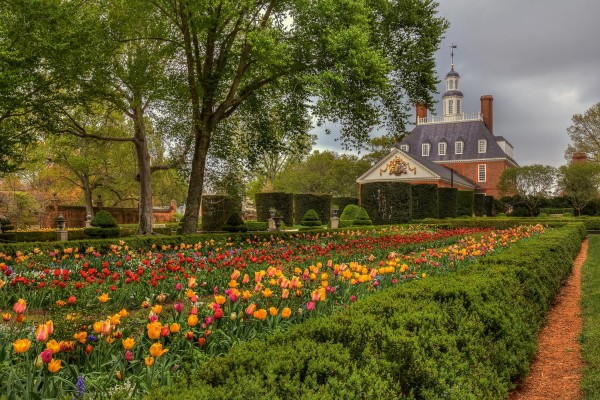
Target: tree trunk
[
  {"x": 144, "y": 172},
  {"x": 192, "y": 205},
  {"x": 87, "y": 193}
]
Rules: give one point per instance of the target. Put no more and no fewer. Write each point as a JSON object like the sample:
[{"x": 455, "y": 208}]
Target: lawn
[{"x": 590, "y": 305}]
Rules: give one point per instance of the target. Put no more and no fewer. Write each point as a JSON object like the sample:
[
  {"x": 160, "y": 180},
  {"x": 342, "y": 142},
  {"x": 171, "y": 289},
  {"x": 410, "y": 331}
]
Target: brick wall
[{"x": 494, "y": 170}]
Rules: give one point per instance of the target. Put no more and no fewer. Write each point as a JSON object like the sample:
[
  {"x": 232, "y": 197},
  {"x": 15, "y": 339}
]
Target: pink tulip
[
  {"x": 178, "y": 307},
  {"x": 46, "y": 356},
  {"x": 310, "y": 305}
]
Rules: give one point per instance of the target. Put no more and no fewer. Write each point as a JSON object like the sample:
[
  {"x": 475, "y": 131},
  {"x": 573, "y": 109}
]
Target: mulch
[{"x": 556, "y": 370}]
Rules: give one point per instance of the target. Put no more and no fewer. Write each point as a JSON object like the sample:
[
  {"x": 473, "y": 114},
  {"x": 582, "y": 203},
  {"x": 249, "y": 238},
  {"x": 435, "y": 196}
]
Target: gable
[{"x": 398, "y": 166}]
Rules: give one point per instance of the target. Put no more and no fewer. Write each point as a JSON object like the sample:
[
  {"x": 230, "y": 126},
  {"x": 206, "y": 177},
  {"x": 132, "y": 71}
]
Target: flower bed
[{"x": 128, "y": 320}]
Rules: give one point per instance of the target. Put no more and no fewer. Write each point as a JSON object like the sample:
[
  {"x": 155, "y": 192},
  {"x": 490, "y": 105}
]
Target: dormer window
[
  {"x": 425, "y": 149},
  {"x": 404, "y": 147},
  {"x": 458, "y": 147},
  {"x": 482, "y": 146},
  {"x": 442, "y": 148}
]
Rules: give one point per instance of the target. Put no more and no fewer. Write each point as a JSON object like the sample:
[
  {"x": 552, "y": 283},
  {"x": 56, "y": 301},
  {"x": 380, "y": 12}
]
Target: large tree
[
  {"x": 585, "y": 134},
  {"x": 531, "y": 184},
  {"x": 356, "y": 62},
  {"x": 580, "y": 183}
]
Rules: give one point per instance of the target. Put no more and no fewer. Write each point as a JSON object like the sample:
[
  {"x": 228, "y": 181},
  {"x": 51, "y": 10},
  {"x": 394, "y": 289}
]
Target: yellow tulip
[
  {"x": 192, "y": 320},
  {"x": 157, "y": 309},
  {"x": 149, "y": 361},
  {"x": 21, "y": 345},
  {"x": 53, "y": 346},
  {"x": 54, "y": 366},
  {"x": 103, "y": 298},
  {"x": 174, "y": 328},
  {"x": 154, "y": 329},
  {"x": 157, "y": 350},
  {"x": 286, "y": 313},
  {"x": 128, "y": 343}
]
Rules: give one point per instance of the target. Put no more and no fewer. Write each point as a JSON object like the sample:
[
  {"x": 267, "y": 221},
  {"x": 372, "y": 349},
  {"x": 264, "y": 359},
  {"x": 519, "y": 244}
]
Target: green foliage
[
  {"x": 235, "y": 223},
  {"x": 102, "y": 233},
  {"x": 590, "y": 308},
  {"x": 464, "y": 203},
  {"x": 256, "y": 226},
  {"x": 550, "y": 211},
  {"x": 5, "y": 223},
  {"x": 341, "y": 202},
  {"x": 282, "y": 202},
  {"x": 387, "y": 202},
  {"x": 362, "y": 218},
  {"x": 447, "y": 202},
  {"x": 321, "y": 203},
  {"x": 216, "y": 209},
  {"x": 349, "y": 212},
  {"x": 542, "y": 215},
  {"x": 104, "y": 219},
  {"x": 311, "y": 218},
  {"x": 440, "y": 332},
  {"x": 488, "y": 205},
  {"x": 424, "y": 201},
  {"x": 479, "y": 204},
  {"x": 580, "y": 183},
  {"x": 532, "y": 184}
]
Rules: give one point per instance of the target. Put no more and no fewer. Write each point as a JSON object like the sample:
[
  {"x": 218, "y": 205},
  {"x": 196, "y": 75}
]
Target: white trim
[
  {"x": 425, "y": 146},
  {"x": 462, "y": 147},
  {"x": 476, "y": 160},
  {"x": 482, "y": 143},
  {"x": 442, "y": 148}
]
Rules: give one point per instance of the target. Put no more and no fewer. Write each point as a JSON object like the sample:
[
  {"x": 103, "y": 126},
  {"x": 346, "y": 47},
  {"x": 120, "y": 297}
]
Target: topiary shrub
[
  {"x": 362, "y": 218},
  {"x": 282, "y": 202},
  {"x": 341, "y": 202},
  {"x": 103, "y": 226},
  {"x": 320, "y": 203},
  {"x": 235, "y": 223},
  {"x": 349, "y": 212},
  {"x": 464, "y": 202},
  {"x": 424, "y": 201},
  {"x": 387, "y": 202},
  {"x": 5, "y": 223},
  {"x": 447, "y": 202},
  {"x": 310, "y": 221}
]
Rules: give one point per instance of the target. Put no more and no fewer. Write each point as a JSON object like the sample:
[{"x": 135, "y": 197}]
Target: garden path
[{"x": 556, "y": 370}]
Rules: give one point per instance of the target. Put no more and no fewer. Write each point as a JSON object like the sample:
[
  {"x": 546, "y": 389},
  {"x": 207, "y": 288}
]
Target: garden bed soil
[{"x": 556, "y": 370}]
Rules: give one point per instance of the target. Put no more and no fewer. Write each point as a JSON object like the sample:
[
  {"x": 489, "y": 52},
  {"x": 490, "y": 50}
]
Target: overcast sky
[{"x": 540, "y": 59}]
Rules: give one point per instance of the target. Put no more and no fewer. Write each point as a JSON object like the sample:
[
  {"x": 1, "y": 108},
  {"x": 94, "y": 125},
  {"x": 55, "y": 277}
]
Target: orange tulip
[
  {"x": 157, "y": 309},
  {"x": 41, "y": 334},
  {"x": 250, "y": 309},
  {"x": 286, "y": 313},
  {"x": 174, "y": 328},
  {"x": 20, "y": 306},
  {"x": 220, "y": 300},
  {"x": 123, "y": 313},
  {"x": 54, "y": 366},
  {"x": 157, "y": 350},
  {"x": 260, "y": 314},
  {"x": 154, "y": 329},
  {"x": 21, "y": 345},
  {"x": 80, "y": 337},
  {"x": 6, "y": 317},
  {"x": 273, "y": 311},
  {"x": 128, "y": 343},
  {"x": 149, "y": 361},
  {"x": 103, "y": 298},
  {"x": 106, "y": 327},
  {"x": 192, "y": 320},
  {"x": 53, "y": 346},
  {"x": 267, "y": 293}
]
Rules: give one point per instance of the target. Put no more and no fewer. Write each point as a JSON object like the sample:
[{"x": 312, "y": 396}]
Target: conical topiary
[
  {"x": 362, "y": 218},
  {"x": 235, "y": 223},
  {"x": 104, "y": 225},
  {"x": 349, "y": 213},
  {"x": 311, "y": 219},
  {"x": 104, "y": 219}
]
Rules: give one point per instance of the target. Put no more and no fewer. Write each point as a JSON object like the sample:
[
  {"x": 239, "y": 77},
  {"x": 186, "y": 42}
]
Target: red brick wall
[{"x": 494, "y": 170}]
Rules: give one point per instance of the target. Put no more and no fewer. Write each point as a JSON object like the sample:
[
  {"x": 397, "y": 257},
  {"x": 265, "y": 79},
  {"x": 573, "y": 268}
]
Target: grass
[{"x": 590, "y": 306}]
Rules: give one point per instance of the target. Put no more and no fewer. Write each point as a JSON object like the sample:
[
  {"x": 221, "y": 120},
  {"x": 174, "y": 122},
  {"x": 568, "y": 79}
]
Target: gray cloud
[{"x": 538, "y": 58}]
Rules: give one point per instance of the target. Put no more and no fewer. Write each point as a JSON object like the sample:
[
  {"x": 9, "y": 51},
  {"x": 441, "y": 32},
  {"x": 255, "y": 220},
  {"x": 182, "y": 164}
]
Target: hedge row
[
  {"x": 550, "y": 211},
  {"x": 216, "y": 209},
  {"x": 464, "y": 203},
  {"x": 342, "y": 202},
  {"x": 468, "y": 335},
  {"x": 447, "y": 202},
  {"x": 282, "y": 202},
  {"x": 321, "y": 203},
  {"x": 425, "y": 201},
  {"x": 387, "y": 202}
]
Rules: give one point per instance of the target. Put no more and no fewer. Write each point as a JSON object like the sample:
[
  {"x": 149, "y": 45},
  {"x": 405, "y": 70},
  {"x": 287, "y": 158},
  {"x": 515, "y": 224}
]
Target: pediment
[{"x": 398, "y": 166}]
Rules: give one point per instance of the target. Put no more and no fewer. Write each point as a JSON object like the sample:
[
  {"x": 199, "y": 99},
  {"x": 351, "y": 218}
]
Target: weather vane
[{"x": 452, "y": 46}]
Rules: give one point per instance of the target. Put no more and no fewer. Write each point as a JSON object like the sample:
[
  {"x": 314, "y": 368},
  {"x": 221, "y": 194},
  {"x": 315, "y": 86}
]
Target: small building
[{"x": 452, "y": 150}]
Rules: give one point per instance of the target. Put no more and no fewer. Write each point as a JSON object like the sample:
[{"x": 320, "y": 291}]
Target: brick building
[{"x": 453, "y": 150}]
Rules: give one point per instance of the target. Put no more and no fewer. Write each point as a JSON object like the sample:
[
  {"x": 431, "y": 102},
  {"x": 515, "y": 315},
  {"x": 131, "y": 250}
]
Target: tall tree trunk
[
  {"x": 144, "y": 173},
  {"x": 87, "y": 193},
  {"x": 192, "y": 205}
]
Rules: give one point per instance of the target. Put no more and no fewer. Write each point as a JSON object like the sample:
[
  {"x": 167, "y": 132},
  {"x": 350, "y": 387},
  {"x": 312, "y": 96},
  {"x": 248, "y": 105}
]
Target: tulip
[
  {"x": 220, "y": 300},
  {"x": 119, "y": 376},
  {"x": 128, "y": 356},
  {"x": 80, "y": 337},
  {"x": 41, "y": 334},
  {"x": 260, "y": 314},
  {"x": 6, "y": 317},
  {"x": 161, "y": 298},
  {"x": 46, "y": 356},
  {"x": 233, "y": 297},
  {"x": 218, "y": 313},
  {"x": 157, "y": 350},
  {"x": 89, "y": 348},
  {"x": 128, "y": 343},
  {"x": 20, "y": 306},
  {"x": 273, "y": 311},
  {"x": 50, "y": 326},
  {"x": 154, "y": 329},
  {"x": 103, "y": 298},
  {"x": 164, "y": 332},
  {"x": 250, "y": 309},
  {"x": 189, "y": 335},
  {"x": 192, "y": 320},
  {"x": 286, "y": 313},
  {"x": 178, "y": 286},
  {"x": 53, "y": 346},
  {"x": 267, "y": 293},
  {"x": 178, "y": 307},
  {"x": 174, "y": 328},
  {"x": 201, "y": 341},
  {"x": 106, "y": 327},
  {"x": 233, "y": 316},
  {"x": 157, "y": 309},
  {"x": 153, "y": 317},
  {"x": 149, "y": 361},
  {"x": 123, "y": 313},
  {"x": 21, "y": 345},
  {"x": 310, "y": 305},
  {"x": 54, "y": 366},
  {"x": 72, "y": 300}
]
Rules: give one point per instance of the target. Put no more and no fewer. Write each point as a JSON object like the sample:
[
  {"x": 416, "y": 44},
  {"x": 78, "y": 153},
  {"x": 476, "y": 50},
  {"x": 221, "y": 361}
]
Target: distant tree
[
  {"x": 585, "y": 134},
  {"x": 580, "y": 183},
  {"x": 530, "y": 184},
  {"x": 378, "y": 148},
  {"x": 323, "y": 172}
]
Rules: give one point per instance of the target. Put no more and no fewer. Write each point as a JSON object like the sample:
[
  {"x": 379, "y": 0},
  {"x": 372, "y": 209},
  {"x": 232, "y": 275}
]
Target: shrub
[
  {"x": 501, "y": 215},
  {"x": 235, "y": 223},
  {"x": 362, "y": 218},
  {"x": 320, "y": 203},
  {"x": 282, "y": 202},
  {"x": 447, "y": 202},
  {"x": 479, "y": 204},
  {"x": 542, "y": 215},
  {"x": 464, "y": 202},
  {"x": 216, "y": 209},
  {"x": 341, "y": 202},
  {"x": 550, "y": 210},
  {"x": 310, "y": 221},
  {"x": 488, "y": 205},
  {"x": 349, "y": 212},
  {"x": 257, "y": 226},
  {"x": 387, "y": 202},
  {"x": 5, "y": 224},
  {"x": 424, "y": 201},
  {"x": 567, "y": 214},
  {"x": 102, "y": 233},
  {"x": 104, "y": 219}
]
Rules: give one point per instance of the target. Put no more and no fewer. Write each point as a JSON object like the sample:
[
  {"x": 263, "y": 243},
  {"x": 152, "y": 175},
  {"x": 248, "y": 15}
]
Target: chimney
[
  {"x": 487, "y": 111},
  {"x": 421, "y": 112},
  {"x": 579, "y": 158}
]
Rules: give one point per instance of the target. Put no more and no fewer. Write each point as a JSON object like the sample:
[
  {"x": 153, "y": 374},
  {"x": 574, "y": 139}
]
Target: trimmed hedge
[
  {"x": 447, "y": 202},
  {"x": 425, "y": 201},
  {"x": 488, "y": 205},
  {"x": 387, "y": 202},
  {"x": 464, "y": 203},
  {"x": 235, "y": 223},
  {"x": 549, "y": 211},
  {"x": 257, "y": 226},
  {"x": 282, "y": 202},
  {"x": 479, "y": 204},
  {"x": 320, "y": 203},
  {"x": 216, "y": 209},
  {"x": 362, "y": 218},
  {"x": 103, "y": 226},
  {"x": 467, "y": 335},
  {"x": 342, "y": 202}
]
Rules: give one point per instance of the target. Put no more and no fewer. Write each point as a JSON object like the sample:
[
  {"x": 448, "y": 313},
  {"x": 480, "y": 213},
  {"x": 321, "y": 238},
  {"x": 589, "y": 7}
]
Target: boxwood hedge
[
  {"x": 464, "y": 203},
  {"x": 424, "y": 201},
  {"x": 447, "y": 202},
  {"x": 467, "y": 335},
  {"x": 320, "y": 203},
  {"x": 387, "y": 202},
  {"x": 282, "y": 202}
]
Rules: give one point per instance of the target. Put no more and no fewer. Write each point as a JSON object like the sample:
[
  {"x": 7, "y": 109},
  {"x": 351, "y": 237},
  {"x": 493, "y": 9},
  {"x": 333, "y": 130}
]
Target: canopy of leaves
[
  {"x": 585, "y": 134},
  {"x": 580, "y": 183},
  {"x": 531, "y": 183}
]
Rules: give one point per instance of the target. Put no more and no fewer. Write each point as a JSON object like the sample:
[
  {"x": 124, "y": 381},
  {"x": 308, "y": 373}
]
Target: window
[
  {"x": 482, "y": 146},
  {"x": 425, "y": 149},
  {"x": 458, "y": 147},
  {"x": 481, "y": 173},
  {"x": 450, "y": 106},
  {"x": 404, "y": 147},
  {"x": 458, "y": 106},
  {"x": 450, "y": 84},
  {"x": 442, "y": 148}
]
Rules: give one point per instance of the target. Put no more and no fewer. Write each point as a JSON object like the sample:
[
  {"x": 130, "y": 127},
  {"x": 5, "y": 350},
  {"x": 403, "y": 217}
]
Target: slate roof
[
  {"x": 470, "y": 132},
  {"x": 443, "y": 172},
  {"x": 452, "y": 93},
  {"x": 452, "y": 73}
]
